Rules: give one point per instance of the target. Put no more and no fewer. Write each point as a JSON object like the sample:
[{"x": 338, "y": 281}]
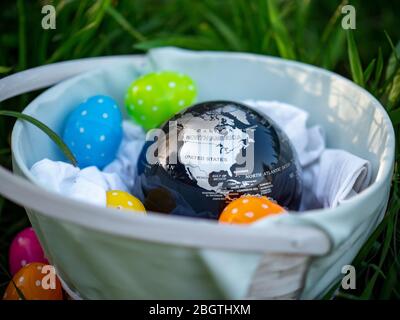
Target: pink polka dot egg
[
  {"x": 25, "y": 248},
  {"x": 93, "y": 131}
]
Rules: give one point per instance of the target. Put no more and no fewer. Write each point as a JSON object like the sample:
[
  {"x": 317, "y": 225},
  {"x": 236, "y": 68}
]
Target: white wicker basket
[{"x": 104, "y": 253}]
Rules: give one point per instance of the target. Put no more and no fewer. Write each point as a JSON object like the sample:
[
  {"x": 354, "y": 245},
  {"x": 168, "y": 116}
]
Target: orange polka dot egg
[
  {"x": 124, "y": 201},
  {"x": 248, "y": 209},
  {"x": 35, "y": 281}
]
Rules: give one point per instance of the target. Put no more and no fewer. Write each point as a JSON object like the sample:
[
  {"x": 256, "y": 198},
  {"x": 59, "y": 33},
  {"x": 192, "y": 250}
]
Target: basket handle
[{"x": 48, "y": 75}]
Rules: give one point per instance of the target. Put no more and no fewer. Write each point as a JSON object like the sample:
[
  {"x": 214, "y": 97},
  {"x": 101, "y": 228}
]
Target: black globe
[{"x": 212, "y": 153}]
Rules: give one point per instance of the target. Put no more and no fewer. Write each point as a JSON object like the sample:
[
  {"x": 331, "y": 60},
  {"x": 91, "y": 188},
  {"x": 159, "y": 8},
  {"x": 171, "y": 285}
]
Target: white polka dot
[
  {"x": 100, "y": 100},
  {"x": 172, "y": 84},
  {"x": 21, "y": 241},
  {"x": 265, "y": 206},
  {"x": 234, "y": 210},
  {"x": 154, "y": 108},
  {"x": 21, "y": 279},
  {"x": 143, "y": 117},
  {"x": 130, "y": 203},
  {"x": 249, "y": 214},
  {"x": 88, "y": 146},
  {"x": 135, "y": 88},
  {"x": 149, "y": 87},
  {"x": 23, "y": 262},
  {"x": 81, "y": 130},
  {"x": 102, "y": 137},
  {"x": 245, "y": 200},
  {"x": 105, "y": 115},
  {"x": 132, "y": 107},
  {"x": 191, "y": 87},
  {"x": 37, "y": 283},
  {"x": 140, "y": 101},
  {"x": 181, "y": 102},
  {"x": 72, "y": 143},
  {"x": 115, "y": 106},
  {"x": 84, "y": 113},
  {"x": 114, "y": 193}
]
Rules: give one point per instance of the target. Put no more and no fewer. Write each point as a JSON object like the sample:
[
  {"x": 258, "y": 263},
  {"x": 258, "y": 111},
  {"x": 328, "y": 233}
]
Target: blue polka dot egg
[{"x": 93, "y": 131}]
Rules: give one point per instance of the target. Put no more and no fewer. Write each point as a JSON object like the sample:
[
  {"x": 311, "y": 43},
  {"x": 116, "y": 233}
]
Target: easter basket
[{"x": 103, "y": 253}]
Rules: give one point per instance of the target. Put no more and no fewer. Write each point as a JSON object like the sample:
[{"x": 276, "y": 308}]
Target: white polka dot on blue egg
[{"x": 93, "y": 131}]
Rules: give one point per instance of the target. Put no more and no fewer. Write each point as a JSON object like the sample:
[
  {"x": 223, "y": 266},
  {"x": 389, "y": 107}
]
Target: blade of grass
[
  {"x": 393, "y": 209},
  {"x": 21, "y": 35},
  {"x": 19, "y": 292},
  {"x": 96, "y": 15},
  {"x": 4, "y": 69},
  {"x": 302, "y": 14},
  {"x": 331, "y": 42},
  {"x": 365, "y": 250},
  {"x": 332, "y": 21},
  {"x": 4, "y": 151},
  {"x": 389, "y": 286},
  {"x": 189, "y": 42},
  {"x": 394, "y": 49},
  {"x": 395, "y": 116},
  {"x": 354, "y": 59},
  {"x": 224, "y": 30},
  {"x": 378, "y": 71},
  {"x": 22, "y": 43},
  {"x": 333, "y": 49},
  {"x": 394, "y": 92},
  {"x": 50, "y": 133},
  {"x": 280, "y": 33},
  {"x": 80, "y": 38},
  {"x": 120, "y": 19},
  {"x": 2, "y": 201},
  {"x": 368, "y": 71},
  {"x": 394, "y": 58}
]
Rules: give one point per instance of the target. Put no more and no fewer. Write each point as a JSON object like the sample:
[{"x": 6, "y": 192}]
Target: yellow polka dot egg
[
  {"x": 155, "y": 97},
  {"x": 124, "y": 201}
]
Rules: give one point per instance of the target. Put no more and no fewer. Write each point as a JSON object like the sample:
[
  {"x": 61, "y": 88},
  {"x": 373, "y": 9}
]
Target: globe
[{"x": 212, "y": 153}]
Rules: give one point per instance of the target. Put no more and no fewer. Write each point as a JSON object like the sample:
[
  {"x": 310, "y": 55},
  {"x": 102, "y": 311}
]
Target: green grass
[{"x": 304, "y": 30}]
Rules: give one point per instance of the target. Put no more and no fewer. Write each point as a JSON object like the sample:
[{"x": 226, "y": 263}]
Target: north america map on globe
[{"x": 212, "y": 144}]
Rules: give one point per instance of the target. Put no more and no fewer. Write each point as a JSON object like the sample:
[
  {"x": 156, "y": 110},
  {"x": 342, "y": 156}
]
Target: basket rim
[{"x": 192, "y": 232}]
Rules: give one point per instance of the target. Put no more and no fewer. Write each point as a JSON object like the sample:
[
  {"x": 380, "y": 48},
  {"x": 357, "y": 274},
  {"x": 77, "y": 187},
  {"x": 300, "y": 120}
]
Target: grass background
[{"x": 304, "y": 30}]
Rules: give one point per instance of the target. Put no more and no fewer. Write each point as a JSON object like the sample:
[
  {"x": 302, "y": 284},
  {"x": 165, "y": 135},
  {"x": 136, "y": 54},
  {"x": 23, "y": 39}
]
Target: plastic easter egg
[
  {"x": 93, "y": 131},
  {"x": 123, "y": 200},
  {"x": 248, "y": 209},
  {"x": 34, "y": 282},
  {"x": 25, "y": 248},
  {"x": 155, "y": 97}
]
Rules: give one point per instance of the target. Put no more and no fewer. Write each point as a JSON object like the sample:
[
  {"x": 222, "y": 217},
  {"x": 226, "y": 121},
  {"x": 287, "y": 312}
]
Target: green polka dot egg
[{"x": 155, "y": 97}]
